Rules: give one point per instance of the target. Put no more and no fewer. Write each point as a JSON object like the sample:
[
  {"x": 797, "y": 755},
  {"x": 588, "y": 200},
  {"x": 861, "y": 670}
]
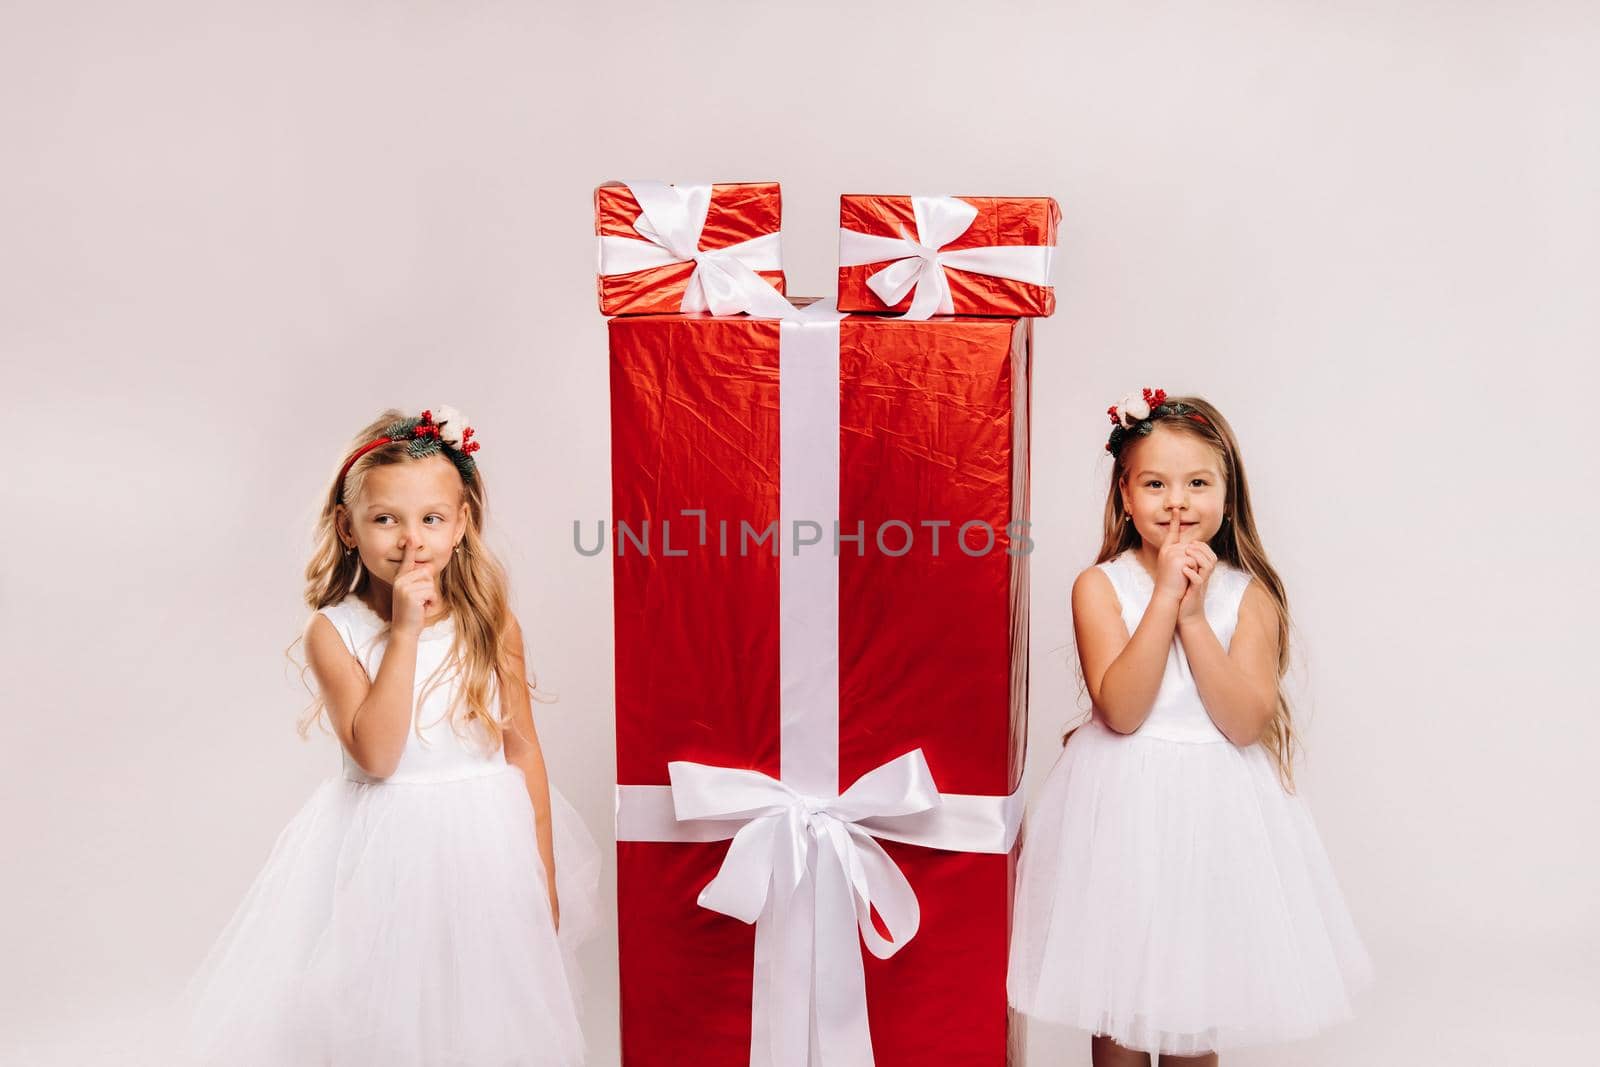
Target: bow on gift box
[
  {"x": 806, "y": 873},
  {"x": 724, "y": 281},
  {"x": 919, "y": 264},
  {"x": 809, "y": 872}
]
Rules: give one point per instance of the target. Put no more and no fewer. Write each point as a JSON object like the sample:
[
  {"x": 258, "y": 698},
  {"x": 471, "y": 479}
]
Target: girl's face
[
  {"x": 417, "y": 503},
  {"x": 1173, "y": 474}
]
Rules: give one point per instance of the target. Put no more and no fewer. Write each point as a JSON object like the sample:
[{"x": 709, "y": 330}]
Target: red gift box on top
[
  {"x": 665, "y": 248},
  {"x": 821, "y": 683},
  {"x": 966, "y": 255}
]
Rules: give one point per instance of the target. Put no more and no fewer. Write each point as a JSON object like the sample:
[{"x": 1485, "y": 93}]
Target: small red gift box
[
  {"x": 666, "y": 248},
  {"x": 967, "y": 255},
  {"x": 763, "y": 652}
]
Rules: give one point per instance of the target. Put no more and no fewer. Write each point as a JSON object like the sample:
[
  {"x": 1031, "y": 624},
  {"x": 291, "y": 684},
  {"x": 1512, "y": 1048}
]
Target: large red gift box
[
  {"x": 931, "y": 644},
  {"x": 639, "y": 271},
  {"x": 997, "y": 252}
]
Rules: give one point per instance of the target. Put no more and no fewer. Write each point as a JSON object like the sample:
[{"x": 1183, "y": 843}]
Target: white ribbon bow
[
  {"x": 807, "y": 873},
  {"x": 920, "y": 264},
  {"x": 724, "y": 281}
]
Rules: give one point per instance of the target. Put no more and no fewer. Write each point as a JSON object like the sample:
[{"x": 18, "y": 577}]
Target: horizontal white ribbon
[
  {"x": 961, "y": 822},
  {"x": 804, "y": 864},
  {"x": 724, "y": 280},
  {"x": 920, "y": 265}
]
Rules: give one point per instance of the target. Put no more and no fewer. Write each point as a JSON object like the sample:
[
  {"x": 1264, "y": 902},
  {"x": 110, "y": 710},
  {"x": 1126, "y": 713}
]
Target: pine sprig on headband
[
  {"x": 449, "y": 434},
  {"x": 1137, "y": 415}
]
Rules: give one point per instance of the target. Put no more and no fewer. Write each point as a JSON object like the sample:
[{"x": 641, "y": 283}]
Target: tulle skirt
[
  {"x": 1173, "y": 897},
  {"x": 403, "y": 925}
]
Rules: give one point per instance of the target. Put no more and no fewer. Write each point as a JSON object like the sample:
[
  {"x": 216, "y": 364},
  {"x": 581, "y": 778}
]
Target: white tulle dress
[
  {"x": 404, "y": 922},
  {"x": 1170, "y": 893}
]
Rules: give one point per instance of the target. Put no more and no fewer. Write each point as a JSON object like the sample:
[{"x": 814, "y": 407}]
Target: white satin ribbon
[
  {"x": 920, "y": 265},
  {"x": 808, "y": 871},
  {"x": 809, "y": 878},
  {"x": 805, "y": 866},
  {"x": 724, "y": 281}
]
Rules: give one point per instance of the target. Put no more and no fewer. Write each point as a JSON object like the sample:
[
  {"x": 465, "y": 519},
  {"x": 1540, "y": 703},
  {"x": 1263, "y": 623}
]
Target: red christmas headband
[
  {"x": 1137, "y": 415},
  {"x": 449, "y": 434}
]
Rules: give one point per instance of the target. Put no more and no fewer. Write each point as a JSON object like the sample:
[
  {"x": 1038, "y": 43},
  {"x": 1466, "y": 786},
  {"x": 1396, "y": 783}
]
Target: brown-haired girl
[
  {"x": 1173, "y": 895},
  {"x": 423, "y": 906}
]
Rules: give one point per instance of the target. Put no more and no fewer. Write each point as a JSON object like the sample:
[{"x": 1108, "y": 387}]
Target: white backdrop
[{"x": 233, "y": 232}]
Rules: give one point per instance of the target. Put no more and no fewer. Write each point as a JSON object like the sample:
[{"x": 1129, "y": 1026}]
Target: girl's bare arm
[
  {"x": 522, "y": 749},
  {"x": 1239, "y": 684},
  {"x": 1122, "y": 672},
  {"x": 370, "y": 717}
]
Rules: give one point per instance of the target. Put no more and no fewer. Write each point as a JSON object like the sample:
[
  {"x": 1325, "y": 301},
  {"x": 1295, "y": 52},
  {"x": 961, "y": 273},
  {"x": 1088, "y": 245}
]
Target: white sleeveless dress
[
  {"x": 1170, "y": 893},
  {"x": 404, "y": 922}
]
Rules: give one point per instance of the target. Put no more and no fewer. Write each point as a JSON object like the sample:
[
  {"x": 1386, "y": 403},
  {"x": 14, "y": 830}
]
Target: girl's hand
[
  {"x": 1171, "y": 560},
  {"x": 414, "y": 595},
  {"x": 1200, "y": 563}
]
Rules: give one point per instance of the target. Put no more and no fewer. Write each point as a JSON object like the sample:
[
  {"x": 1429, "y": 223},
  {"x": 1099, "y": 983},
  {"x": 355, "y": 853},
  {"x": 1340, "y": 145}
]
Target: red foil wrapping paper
[
  {"x": 932, "y": 649},
  {"x": 739, "y": 212},
  {"x": 1020, "y": 220}
]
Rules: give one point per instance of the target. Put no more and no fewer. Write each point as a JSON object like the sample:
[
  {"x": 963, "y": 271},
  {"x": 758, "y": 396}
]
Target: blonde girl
[
  {"x": 422, "y": 908},
  {"x": 1173, "y": 896}
]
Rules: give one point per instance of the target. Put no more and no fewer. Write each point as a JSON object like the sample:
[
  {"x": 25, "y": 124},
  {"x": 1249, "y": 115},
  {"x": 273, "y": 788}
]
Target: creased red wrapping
[
  {"x": 1016, "y": 220},
  {"x": 740, "y": 211},
  {"x": 932, "y": 649}
]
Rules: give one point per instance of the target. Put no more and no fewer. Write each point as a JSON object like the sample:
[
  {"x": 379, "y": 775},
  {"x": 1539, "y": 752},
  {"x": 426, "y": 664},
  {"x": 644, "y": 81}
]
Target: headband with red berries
[
  {"x": 425, "y": 435},
  {"x": 1138, "y": 415}
]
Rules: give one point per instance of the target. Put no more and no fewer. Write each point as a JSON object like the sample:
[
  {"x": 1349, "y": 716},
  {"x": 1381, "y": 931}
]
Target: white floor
[
  {"x": 1437, "y": 1001},
  {"x": 1434, "y": 1002}
]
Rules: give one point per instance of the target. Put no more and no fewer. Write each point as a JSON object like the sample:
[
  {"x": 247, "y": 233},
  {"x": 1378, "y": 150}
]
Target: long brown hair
[
  {"x": 1236, "y": 543},
  {"x": 473, "y": 585}
]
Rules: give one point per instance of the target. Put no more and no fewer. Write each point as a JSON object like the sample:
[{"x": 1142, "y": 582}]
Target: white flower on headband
[
  {"x": 452, "y": 424},
  {"x": 1133, "y": 408}
]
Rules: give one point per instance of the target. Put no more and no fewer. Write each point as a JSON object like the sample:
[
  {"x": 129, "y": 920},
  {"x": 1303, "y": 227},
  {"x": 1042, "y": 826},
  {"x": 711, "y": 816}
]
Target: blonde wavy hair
[
  {"x": 473, "y": 585},
  {"x": 1237, "y": 543}
]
